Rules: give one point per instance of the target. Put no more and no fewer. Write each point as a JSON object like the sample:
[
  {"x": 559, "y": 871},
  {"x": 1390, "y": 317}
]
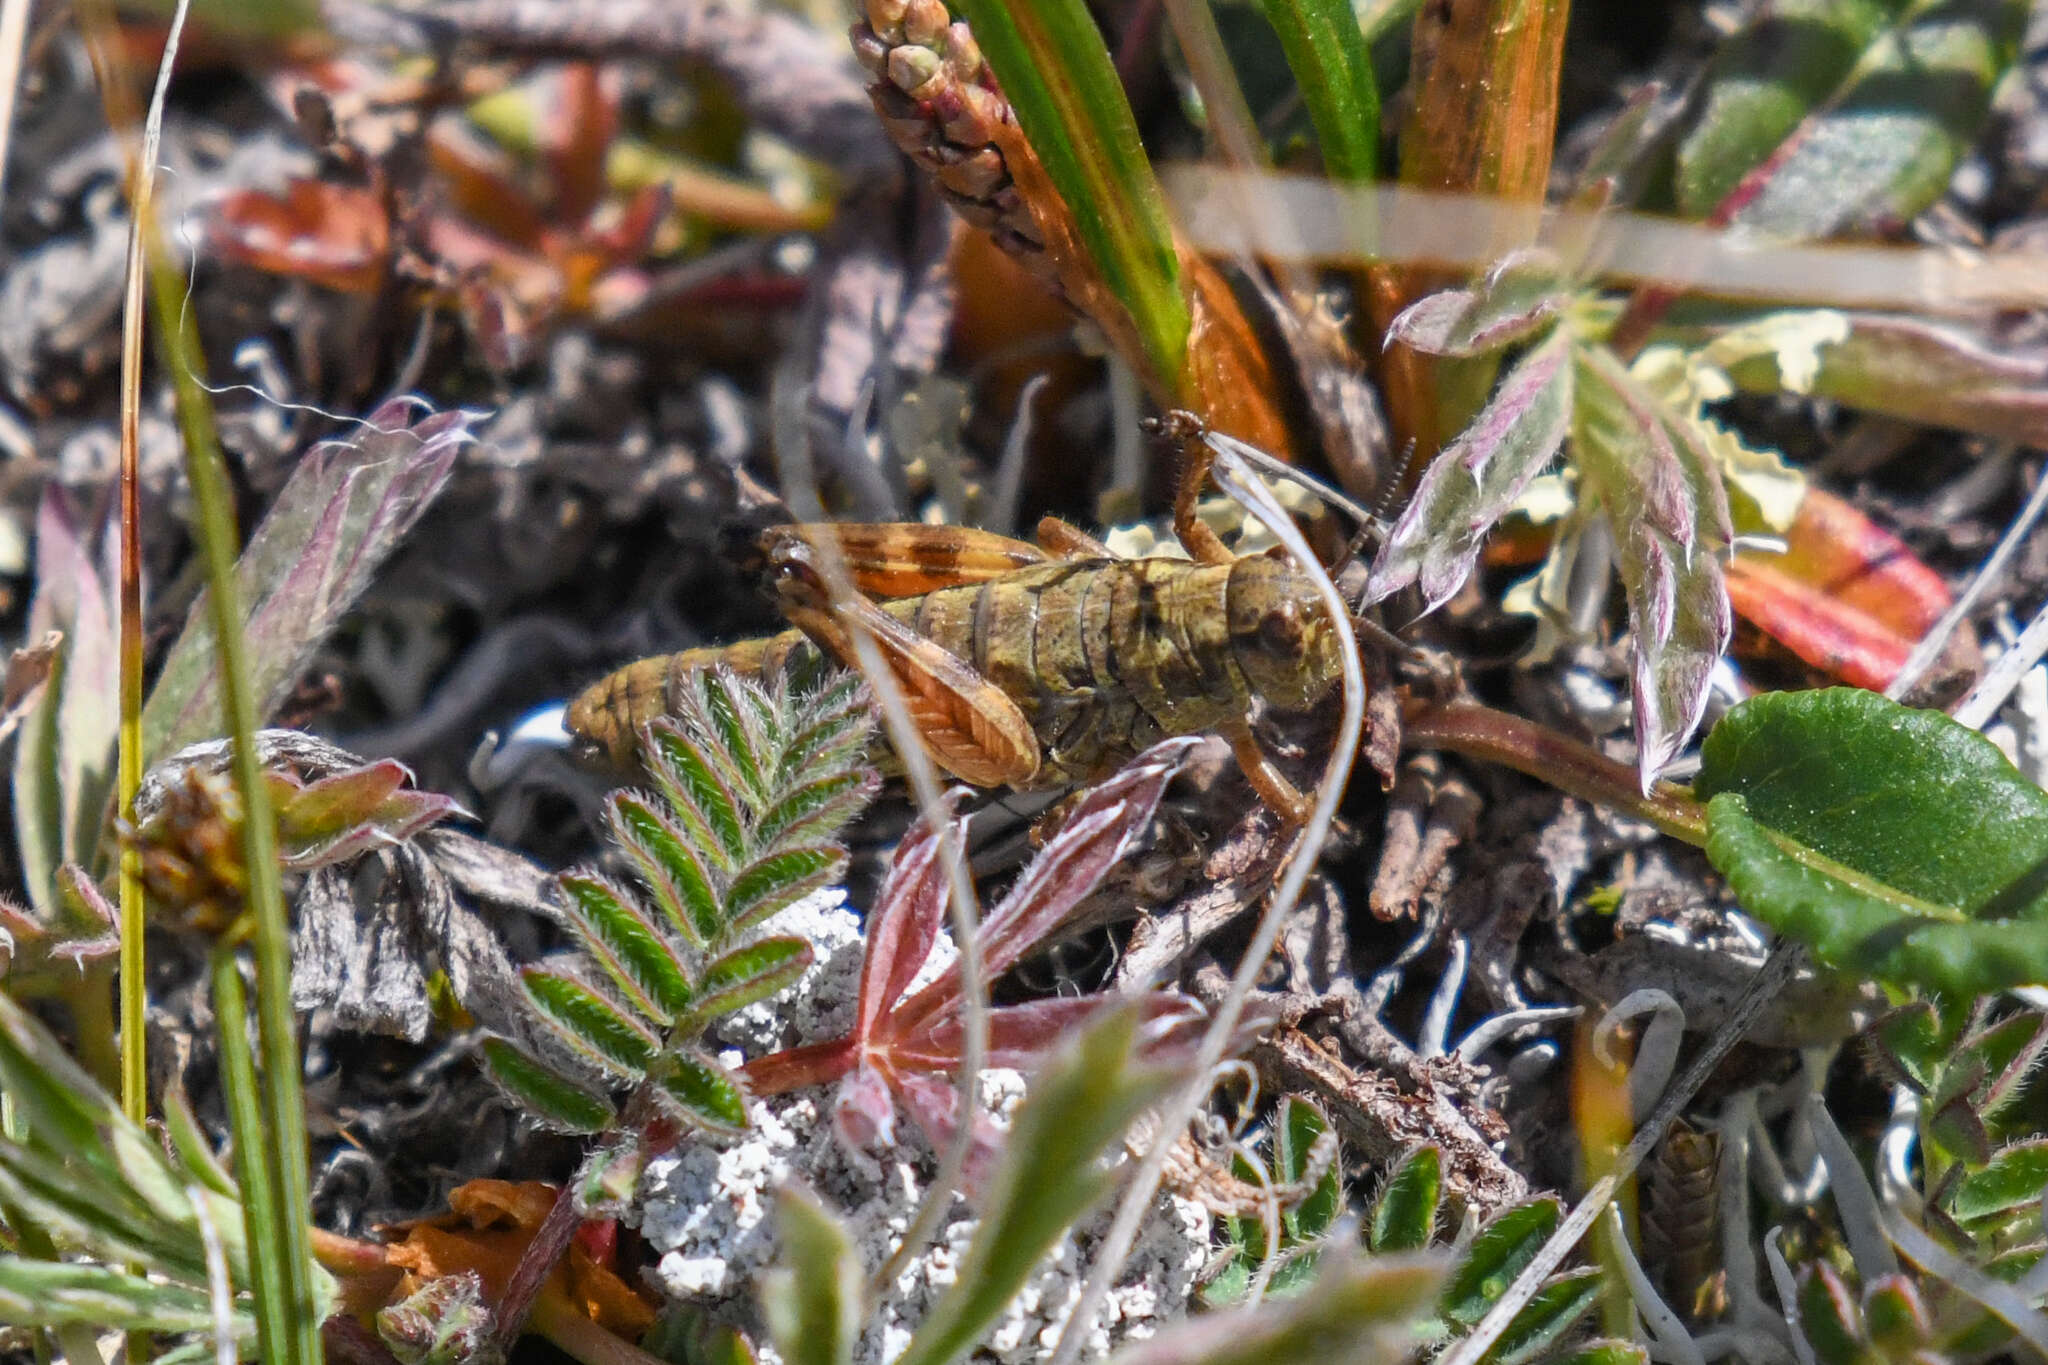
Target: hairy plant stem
[{"x": 1481, "y": 732}]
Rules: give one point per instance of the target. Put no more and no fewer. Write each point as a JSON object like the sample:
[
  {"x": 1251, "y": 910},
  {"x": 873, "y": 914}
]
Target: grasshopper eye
[{"x": 1280, "y": 631}]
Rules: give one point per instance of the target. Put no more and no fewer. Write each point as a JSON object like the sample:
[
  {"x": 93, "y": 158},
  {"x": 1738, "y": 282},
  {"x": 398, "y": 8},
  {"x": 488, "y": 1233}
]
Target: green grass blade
[
  {"x": 261, "y": 1216},
  {"x": 1326, "y": 50},
  {"x": 1057, "y": 74}
]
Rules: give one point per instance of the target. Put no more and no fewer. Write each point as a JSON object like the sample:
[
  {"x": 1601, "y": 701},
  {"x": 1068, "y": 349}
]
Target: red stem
[{"x": 1541, "y": 752}]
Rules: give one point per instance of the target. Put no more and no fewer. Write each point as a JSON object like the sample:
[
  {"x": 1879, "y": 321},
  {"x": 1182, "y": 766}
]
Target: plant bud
[{"x": 911, "y": 69}]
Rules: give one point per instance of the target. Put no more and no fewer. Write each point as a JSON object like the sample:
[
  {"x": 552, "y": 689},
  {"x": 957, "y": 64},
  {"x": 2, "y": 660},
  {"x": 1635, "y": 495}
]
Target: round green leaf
[{"x": 1891, "y": 841}]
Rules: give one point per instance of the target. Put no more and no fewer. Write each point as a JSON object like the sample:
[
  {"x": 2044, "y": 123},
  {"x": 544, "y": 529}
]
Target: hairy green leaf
[
  {"x": 815, "y": 809},
  {"x": 1829, "y": 1317},
  {"x": 2011, "y": 1182},
  {"x": 1333, "y": 70},
  {"x": 545, "y": 1092},
  {"x": 1404, "y": 1215},
  {"x": 1555, "y": 1310},
  {"x": 813, "y": 1298},
  {"x": 697, "y": 794},
  {"x": 704, "y": 1094},
  {"x": 1057, "y": 75},
  {"x": 1497, "y": 1255},
  {"x": 681, "y": 883},
  {"x": 780, "y": 880},
  {"x": 722, "y": 702},
  {"x": 1891, "y": 841},
  {"x": 1301, "y": 1125},
  {"x": 751, "y": 973},
  {"x": 1517, "y": 298},
  {"x": 625, "y": 943},
  {"x": 597, "y": 1029}
]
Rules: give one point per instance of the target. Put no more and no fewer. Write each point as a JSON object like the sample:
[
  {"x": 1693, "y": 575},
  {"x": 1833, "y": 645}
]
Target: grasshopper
[{"x": 1031, "y": 666}]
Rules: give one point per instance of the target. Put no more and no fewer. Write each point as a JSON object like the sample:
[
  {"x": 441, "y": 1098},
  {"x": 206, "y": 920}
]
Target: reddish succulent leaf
[
  {"x": 905, "y": 921},
  {"x": 1847, "y": 596},
  {"x": 576, "y": 130},
  {"x": 338, "y": 236},
  {"x": 1096, "y": 833}
]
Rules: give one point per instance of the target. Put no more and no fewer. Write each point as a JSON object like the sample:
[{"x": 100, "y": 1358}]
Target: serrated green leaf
[
  {"x": 619, "y": 937},
  {"x": 1496, "y": 1256},
  {"x": 2011, "y": 1182},
  {"x": 680, "y": 881},
  {"x": 1655, "y": 482},
  {"x": 813, "y": 1298},
  {"x": 776, "y": 882},
  {"x": 1473, "y": 482},
  {"x": 697, "y": 794},
  {"x": 1889, "y": 840},
  {"x": 595, "y": 1028},
  {"x": 1332, "y": 66},
  {"x": 544, "y": 1092},
  {"x": 1057, "y": 75},
  {"x": 1554, "y": 1311},
  {"x": 702, "y": 1093},
  {"x": 831, "y": 731},
  {"x": 1080, "y": 1102},
  {"x": 1404, "y": 1215},
  {"x": 750, "y": 973}
]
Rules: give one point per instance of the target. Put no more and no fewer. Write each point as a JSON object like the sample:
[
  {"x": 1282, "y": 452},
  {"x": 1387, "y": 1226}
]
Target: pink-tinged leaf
[
  {"x": 933, "y": 1103},
  {"x": 1847, "y": 596},
  {"x": 64, "y": 762},
  {"x": 576, "y": 130},
  {"x": 336, "y": 236},
  {"x": 1019, "y": 1036},
  {"x": 1474, "y": 481},
  {"x": 1096, "y": 834},
  {"x": 864, "y": 1112},
  {"x": 1940, "y": 373},
  {"x": 1518, "y": 298},
  {"x": 906, "y": 917},
  {"x": 341, "y": 816},
  {"x": 1660, "y": 491},
  {"x": 343, "y": 512}
]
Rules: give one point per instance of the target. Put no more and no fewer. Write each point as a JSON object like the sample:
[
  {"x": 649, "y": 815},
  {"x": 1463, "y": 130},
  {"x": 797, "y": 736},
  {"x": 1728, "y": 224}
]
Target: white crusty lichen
[{"x": 709, "y": 1209}]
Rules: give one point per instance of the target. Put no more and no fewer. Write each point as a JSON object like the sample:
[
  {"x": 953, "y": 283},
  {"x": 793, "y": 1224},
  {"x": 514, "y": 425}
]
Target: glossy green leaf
[
  {"x": 704, "y": 1094},
  {"x": 597, "y": 1029},
  {"x": 1051, "y": 1172},
  {"x": 772, "y": 884},
  {"x": 697, "y": 794},
  {"x": 2011, "y": 1182},
  {"x": 1829, "y": 1317},
  {"x": 1762, "y": 82},
  {"x": 1882, "y": 145},
  {"x": 1496, "y": 1256},
  {"x": 1333, "y": 70},
  {"x": 1555, "y": 1310},
  {"x": 1473, "y": 482},
  {"x": 1660, "y": 490},
  {"x": 1894, "y": 1317},
  {"x": 1057, "y": 74},
  {"x": 1404, "y": 1215},
  {"x": 1893, "y": 842},
  {"x": 750, "y": 973},
  {"x": 813, "y": 1298},
  {"x": 620, "y": 938},
  {"x": 553, "y": 1098},
  {"x": 680, "y": 881}
]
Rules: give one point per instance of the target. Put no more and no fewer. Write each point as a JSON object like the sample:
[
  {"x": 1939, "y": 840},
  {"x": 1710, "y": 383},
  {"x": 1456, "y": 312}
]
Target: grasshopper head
[{"x": 1281, "y": 633}]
